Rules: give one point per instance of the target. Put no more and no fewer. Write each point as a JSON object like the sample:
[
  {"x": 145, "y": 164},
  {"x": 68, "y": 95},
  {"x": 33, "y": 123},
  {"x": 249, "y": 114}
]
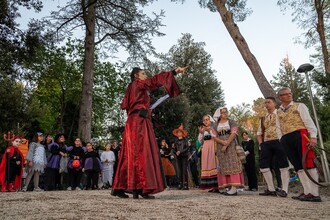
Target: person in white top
[
  {"x": 108, "y": 160},
  {"x": 296, "y": 125},
  {"x": 268, "y": 135}
]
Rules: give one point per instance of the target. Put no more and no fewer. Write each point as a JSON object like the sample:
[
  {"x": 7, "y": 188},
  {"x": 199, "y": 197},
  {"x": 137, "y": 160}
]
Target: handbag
[
  {"x": 240, "y": 152},
  {"x": 64, "y": 165}
]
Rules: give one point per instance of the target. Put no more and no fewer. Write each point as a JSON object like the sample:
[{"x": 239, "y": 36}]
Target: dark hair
[
  {"x": 135, "y": 71},
  {"x": 45, "y": 140},
  {"x": 271, "y": 98},
  {"x": 35, "y": 137},
  {"x": 244, "y": 132}
]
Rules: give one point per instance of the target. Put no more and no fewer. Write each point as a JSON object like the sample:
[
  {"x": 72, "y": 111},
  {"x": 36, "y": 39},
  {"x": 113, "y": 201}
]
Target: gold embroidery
[{"x": 290, "y": 120}]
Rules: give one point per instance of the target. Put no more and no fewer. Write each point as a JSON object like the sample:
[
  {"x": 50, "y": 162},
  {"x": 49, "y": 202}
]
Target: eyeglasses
[
  {"x": 224, "y": 112},
  {"x": 289, "y": 93}
]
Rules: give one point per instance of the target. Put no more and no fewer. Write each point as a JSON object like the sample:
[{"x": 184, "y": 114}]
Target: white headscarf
[
  {"x": 211, "y": 119},
  {"x": 216, "y": 115}
]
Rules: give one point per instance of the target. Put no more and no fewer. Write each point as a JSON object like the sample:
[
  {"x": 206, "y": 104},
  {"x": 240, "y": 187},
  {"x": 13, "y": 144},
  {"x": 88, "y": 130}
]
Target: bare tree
[
  {"x": 235, "y": 10},
  {"x": 113, "y": 24}
]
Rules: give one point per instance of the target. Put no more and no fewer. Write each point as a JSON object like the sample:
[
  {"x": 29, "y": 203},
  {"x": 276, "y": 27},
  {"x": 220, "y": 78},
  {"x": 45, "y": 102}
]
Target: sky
[{"x": 269, "y": 33}]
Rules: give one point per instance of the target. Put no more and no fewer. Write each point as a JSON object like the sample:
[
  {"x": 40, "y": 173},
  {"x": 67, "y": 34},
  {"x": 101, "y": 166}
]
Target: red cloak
[
  {"x": 3, "y": 166},
  {"x": 139, "y": 165}
]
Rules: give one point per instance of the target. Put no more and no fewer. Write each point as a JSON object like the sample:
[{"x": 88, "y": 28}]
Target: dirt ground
[{"x": 170, "y": 204}]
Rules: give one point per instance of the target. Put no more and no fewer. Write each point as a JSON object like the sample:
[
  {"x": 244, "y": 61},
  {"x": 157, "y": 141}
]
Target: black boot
[
  {"x": 136, "y": 194},
  {"x": 119, "y": 193}
]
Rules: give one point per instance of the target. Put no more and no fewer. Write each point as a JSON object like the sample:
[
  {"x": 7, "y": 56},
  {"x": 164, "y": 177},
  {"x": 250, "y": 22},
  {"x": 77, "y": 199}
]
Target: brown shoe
[
  {"x": 298, "y": 197},
  {"x": 310, "y": 198}
]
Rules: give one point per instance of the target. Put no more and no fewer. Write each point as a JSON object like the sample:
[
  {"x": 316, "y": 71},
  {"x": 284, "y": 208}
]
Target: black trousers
[
  {"x": 92, "y": 179},
  {"x": 194, "y": 172},
  {"x": 292, "y": 143},
  {"x": 53, "y": 179},
  {"x": 183, "y": 173},
  {"x": 75, "y": 177},
  {"x": 14, "y": 170},
  {"x": 251, "y": 174}
]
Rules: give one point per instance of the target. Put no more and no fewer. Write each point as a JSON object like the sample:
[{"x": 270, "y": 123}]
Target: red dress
[{"x": 139, "y": 165}]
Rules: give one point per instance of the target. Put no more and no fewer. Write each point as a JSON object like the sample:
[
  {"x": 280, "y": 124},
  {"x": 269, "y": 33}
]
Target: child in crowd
[
  {"x": 11, "y": 166},
  {"x": 92, "y": 167},
  {"x": 165, "y": 153},
  {"x": 57, "y": 149},
  {"x": 76, "y": 155},
  {"x": 108, "y": 160},
  {"x": 36, "y": 161},
  {"x": 181, "y": 149}
]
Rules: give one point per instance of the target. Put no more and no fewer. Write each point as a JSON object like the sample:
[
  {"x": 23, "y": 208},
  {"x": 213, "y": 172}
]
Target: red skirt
[{"x": 139, "y": 164}]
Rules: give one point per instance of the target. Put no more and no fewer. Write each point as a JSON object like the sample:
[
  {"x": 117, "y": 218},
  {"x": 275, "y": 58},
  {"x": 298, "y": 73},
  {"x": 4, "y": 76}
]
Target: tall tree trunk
[
  {"x": 85, "y": 113},
  {"x": 241, "y": 44},
  {"x": 320, "y": 30}
]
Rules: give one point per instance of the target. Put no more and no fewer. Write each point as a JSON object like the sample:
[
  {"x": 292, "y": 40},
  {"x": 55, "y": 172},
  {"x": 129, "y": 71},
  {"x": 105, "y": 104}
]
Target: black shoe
[
  {"x": 298, "y": 197},
  {"x": 281, "y": 193},
  {"x": 213, "y": 191},
  {"x": 310, "y": 198},
  {"x": 147, "y": 196},
  {"x": 136, "y": 194},
  {"x": 230, "y": 194},
  {"x": 119, "y": 193},
  {"x": 268, "y": 193}
]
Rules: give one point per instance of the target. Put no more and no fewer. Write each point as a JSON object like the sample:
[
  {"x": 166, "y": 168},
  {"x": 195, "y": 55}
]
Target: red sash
[{"x": 310, "y": 155}]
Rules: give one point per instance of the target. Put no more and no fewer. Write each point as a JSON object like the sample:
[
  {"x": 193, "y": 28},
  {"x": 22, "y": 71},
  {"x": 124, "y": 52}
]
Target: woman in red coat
[{"x": 139, "y": 166}]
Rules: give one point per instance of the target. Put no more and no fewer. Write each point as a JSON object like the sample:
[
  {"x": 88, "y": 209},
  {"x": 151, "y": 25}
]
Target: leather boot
[
  {"x": 3, "y": 188},
  {"x": 136, "y": 194},
  {"x": 10, "y": 187}
]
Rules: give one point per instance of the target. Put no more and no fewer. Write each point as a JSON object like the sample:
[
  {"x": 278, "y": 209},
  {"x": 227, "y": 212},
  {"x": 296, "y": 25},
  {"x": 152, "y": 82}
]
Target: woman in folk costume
[
  {"x": 208, "y": 161},
  {"x": 11, "y": 166},
  {"x": 108, "y": 160},
  {"x": 230, "y": 167},
  {"x": 139, "y": 163},
  {"x": 181, "y": 150},
  {"x": 36, "y": 161}
]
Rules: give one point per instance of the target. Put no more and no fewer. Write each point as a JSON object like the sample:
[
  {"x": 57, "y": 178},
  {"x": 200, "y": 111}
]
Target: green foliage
[
  {"x": 289, "y": 77},
  {"x": 109, "y": 90},
  {"x": 237, "y": 7},
  {"x": 201, "y": 91}
]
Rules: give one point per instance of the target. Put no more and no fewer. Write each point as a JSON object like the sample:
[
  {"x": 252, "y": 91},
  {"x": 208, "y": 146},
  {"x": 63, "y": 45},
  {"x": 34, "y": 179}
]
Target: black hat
[{"x": 58, "y": 135}]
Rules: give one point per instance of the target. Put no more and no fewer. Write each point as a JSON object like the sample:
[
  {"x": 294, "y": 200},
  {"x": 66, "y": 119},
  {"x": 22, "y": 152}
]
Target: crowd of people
[
  {"x": 76, "y": 167},
  {"x": 143, "y": 165}
]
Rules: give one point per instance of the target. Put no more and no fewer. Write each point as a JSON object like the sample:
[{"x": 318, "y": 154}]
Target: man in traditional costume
[
  {"x": 268, "y": 135},
  {"x": 139, "y": 165},
  {"x": 296, "y": 124},
  {"x": 11, "y": 166}
]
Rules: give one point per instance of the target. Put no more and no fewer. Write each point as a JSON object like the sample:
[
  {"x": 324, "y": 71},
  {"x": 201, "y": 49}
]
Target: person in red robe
[
  {"x": 11, "y": 167},
  {"x": 139, "y": 166}
]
